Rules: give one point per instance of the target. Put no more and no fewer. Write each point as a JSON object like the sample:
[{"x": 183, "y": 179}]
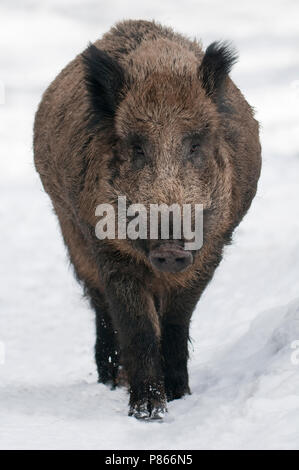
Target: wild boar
[{"x": 145, "y": 113}]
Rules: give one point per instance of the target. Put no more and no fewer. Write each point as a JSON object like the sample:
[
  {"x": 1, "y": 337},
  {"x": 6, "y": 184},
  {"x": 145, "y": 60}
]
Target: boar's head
[{"x": 162, "y": 107}]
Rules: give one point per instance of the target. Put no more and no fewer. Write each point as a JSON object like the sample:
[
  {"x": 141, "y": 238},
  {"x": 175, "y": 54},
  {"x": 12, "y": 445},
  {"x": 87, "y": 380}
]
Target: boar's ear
[
  {"x": 216, "y": 64},
  {"x": 104, "y": 79}
]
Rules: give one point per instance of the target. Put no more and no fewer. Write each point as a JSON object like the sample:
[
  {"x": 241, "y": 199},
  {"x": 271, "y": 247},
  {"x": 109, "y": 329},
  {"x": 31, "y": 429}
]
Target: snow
[{"x": 245, "y": 384}]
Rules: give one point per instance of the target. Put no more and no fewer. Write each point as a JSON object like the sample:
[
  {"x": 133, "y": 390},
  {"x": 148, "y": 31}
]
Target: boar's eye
[
  {"x": 138, "y": 151},
  {"x": 194, "y": 148},
  {"x": 139, "y": 159},
  {"x": 194, "y": 151}
]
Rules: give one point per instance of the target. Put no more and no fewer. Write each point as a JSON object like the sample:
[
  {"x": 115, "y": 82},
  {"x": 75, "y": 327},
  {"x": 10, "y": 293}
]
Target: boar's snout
[{"x": 170, "y": 259}]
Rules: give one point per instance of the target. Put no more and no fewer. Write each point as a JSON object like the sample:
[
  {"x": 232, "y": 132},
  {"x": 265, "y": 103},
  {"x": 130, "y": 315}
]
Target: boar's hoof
[
  {"x": 158, "y": 412},
  {"x": 148, "y": 410}
]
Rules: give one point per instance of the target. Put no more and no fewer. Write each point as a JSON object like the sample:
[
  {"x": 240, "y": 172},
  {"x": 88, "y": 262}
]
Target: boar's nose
[{"x": 170, "y": 260}]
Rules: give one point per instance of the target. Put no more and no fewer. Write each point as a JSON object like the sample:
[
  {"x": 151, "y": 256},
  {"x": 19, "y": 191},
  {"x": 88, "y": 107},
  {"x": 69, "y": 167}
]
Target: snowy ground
[{"x": 245, "y": 385}]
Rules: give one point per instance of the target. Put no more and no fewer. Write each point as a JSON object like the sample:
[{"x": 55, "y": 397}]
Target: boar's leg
[
  {"x": 135, "y": 317},
  {"x": 106, "y": 349},
  {"x": 175, "y": 337}
]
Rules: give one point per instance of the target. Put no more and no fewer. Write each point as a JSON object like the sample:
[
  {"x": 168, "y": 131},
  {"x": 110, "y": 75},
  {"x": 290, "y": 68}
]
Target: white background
[{"x": 245, "y": 386}]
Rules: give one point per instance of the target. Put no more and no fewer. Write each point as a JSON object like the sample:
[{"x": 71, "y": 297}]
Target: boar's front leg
[
  {"x": 106, "y": 349},
  {"x": 175, "y": 337},
  {"x": 135, "y": 318}
]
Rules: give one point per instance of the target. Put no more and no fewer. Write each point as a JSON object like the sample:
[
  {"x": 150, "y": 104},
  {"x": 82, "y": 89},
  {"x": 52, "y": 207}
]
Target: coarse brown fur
[{"x": 147, "y": 114}]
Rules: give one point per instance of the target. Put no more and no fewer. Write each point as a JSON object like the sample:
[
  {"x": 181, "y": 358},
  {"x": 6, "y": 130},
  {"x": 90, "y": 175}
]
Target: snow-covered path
[{"x": 245, "y": 385}]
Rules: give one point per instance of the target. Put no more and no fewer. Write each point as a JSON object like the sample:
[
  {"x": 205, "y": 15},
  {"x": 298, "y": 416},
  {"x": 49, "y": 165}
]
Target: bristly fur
[
  {"x": 146, "y": 81},
  {"x": 216, "y": 64},
  {"x": 104, "y": 79}
]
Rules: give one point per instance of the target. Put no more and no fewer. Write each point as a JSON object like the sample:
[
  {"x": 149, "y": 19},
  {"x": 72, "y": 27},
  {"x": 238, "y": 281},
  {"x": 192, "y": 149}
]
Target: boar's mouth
[{"x": 170, "y": 258}]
